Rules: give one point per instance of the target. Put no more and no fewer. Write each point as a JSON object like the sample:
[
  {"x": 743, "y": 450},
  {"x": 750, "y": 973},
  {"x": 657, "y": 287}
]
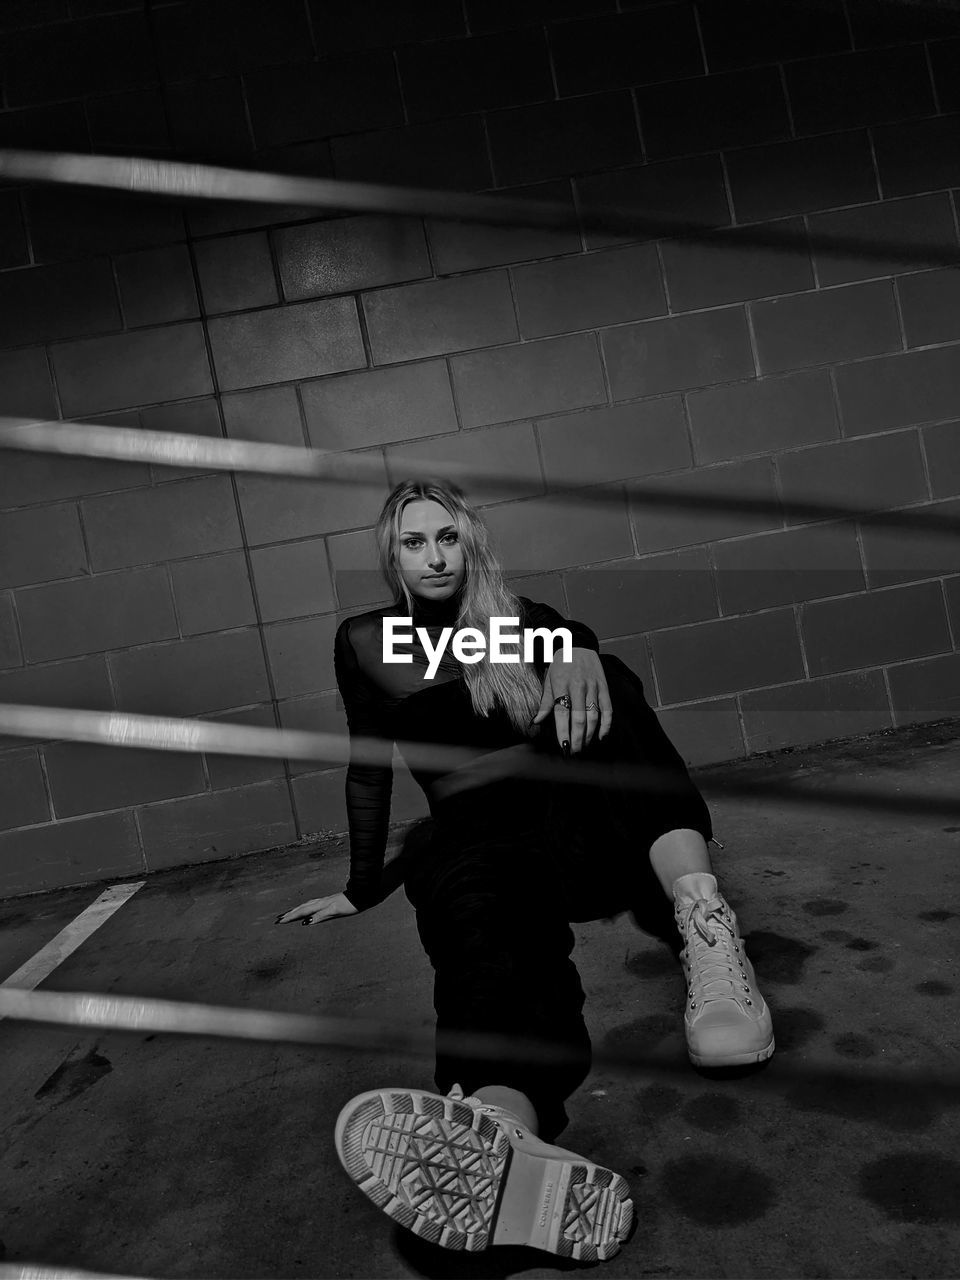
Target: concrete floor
[{"x": 163, "y": 1156}]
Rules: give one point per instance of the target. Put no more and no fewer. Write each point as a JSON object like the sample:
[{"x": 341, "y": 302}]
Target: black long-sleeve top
[{"x": 395, "y": 701}]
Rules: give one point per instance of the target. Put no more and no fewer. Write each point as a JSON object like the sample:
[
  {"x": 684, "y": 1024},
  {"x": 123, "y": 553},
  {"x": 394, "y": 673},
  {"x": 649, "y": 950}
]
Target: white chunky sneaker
[
  {"x": 727, "y": 1021},
  {"x": 466, "y": 1175}
]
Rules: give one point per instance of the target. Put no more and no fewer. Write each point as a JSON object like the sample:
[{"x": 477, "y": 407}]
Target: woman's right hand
[{"x": 319, "y": 909}]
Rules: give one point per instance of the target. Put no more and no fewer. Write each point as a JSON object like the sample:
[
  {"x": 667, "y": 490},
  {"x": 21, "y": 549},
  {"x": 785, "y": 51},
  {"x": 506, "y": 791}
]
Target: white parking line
[{"x": 40, "y": 966}]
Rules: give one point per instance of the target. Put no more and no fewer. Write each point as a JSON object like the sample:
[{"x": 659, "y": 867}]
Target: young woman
[{"x": 496, "y": 875}]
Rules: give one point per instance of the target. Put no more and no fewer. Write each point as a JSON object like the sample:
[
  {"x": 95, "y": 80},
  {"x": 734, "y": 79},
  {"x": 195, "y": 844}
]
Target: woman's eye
[
  {"x": 450, "y": 537},
  {"x": 412, "y": 544}
]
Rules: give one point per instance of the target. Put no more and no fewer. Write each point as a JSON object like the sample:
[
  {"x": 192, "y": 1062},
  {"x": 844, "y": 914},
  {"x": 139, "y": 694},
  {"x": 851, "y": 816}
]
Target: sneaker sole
[
  {"x": 733, "y": 1059},
  {"x": 450, "y": 1174}
]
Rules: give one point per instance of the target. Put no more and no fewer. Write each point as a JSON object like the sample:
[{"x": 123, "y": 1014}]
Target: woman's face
[{"x": 431, "y": 557}]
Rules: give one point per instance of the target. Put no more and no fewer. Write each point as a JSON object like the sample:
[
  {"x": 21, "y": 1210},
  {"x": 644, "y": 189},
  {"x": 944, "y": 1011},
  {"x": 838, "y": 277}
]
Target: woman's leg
[
  {"x": 500, "y": 946},
  {"x": 663, "y": 838}
]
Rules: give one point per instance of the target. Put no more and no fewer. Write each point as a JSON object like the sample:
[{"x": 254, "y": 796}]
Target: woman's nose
[{"x": 436, "y": 559}]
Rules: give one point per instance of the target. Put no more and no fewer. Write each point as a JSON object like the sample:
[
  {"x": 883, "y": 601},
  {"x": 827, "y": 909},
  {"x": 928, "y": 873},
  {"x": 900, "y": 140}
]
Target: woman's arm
[
  {"x": 581, "y": 680},
  {"x": 368, "y": 786}
]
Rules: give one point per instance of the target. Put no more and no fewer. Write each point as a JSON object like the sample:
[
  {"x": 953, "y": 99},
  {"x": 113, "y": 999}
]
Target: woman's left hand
[{"x": 583, "y": 682}]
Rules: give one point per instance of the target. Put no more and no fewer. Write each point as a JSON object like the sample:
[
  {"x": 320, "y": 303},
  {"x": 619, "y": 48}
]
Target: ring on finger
[
  {"x": 593, "y": 706},
  {"x": 563, "y": 701}
]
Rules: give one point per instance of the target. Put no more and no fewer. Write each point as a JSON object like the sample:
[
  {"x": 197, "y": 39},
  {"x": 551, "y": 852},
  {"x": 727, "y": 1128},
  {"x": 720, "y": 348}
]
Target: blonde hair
[{"x": 514, "y": 686}]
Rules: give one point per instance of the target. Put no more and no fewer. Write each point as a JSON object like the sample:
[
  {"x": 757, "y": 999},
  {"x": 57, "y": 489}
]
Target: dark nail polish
[{"x": 565, "y": 748}]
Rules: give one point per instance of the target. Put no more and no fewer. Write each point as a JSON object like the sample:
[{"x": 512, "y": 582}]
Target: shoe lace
[{"x": 714, "y": 954}]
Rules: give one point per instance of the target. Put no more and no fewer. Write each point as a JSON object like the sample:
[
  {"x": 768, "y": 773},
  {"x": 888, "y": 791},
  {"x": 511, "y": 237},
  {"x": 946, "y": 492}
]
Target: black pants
[{"x": 497, "y": 876}]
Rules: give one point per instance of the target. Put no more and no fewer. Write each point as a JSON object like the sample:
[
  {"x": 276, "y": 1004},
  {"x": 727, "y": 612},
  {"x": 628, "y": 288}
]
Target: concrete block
[
  {"x": 143, "y": 526},
  {"x": 553, "y": 140},
  {"x": 284, "y": 343},
  {"x": 528, "y": 380},
  {"x": 89, "y": 779},
  {"x": 762, "y": 416},
  {"x": 826, "y": 326},
  {"x": 676, "y": 353},
  {"x": 156, "y": 285},
  {"x": 634, "y": 651},
  {"x": 642, "y": 47},
  {"x": 926, "y": 690},
  {"x": 379, "y": 405},
  {"x": 889, "y": 24},
  {"x": 875, "y": 628},
  {"x": 729, "y": 267},
  {"x": 897, "y": 236},
  {"x": 236, "y": 272},
  {"x": 53, "y": 61},
  {"x": 279, "y": 510},
  {"x": 951, "y": 591},
  {"x": 552, "y": 533},
  {"x": 80, "y": 851},
  {"x": 708, "y": 113},
  {"x": 879, "y": 471},
  {"x": 27, "y": 387},
  {"x": 369, "y": 24},
  {"x": 589, "y": 290},
  {"x": 898, "y": 555},
  {"x": 812, "y": 711},
  {"x": 292, "y": 580},
  {"x": 356, "y": 577},
  {"x": 129, "y": 123},
  {"x": 339, "y": 95},
  {"x": 704, "y": 732},
  {"x": 43, "y": 477},
  {"x": 727, "y": 656},
  {"x": 508, "y": 15},
  {"x": 419, "y": 320},
  {"x": 23, "y": 793},
  {"x": 13, "y": 238},
  {"x": 858, "y": 88},
  {"x": 39, "y": 544},
  {"x": 899, "y": 390},
  {"x": 484, "y": 72},
  {"x": 80, "y": 683},
  {"x": 217, "y": 825},
  {"x": 11, "y": 655},
  {"x": 623, "y": 597},
  {"x": 918, "y": 156},
  {"x": 321, "y": 801},
  {"x": 802, "y": 176},
  {"x": 945, "y": 65},
  {"x": 240, "y": 771},
  {"x": 88, "y": 615},
  {"x": 269, "y": 414},
  {"x": 301, "y": 655},
  {"x": 315, "y": 713},
  {"x": 941, "y": 444},
  {"x": 614, "y": 443},
  {"x": 343, "y": 254},
  {"x": 467, "y": 246},
  {"x": 212, "y": 593},
  {"x": 659, "y": 528},
  {"x": 38, "y": 304},
  {"x": 441, "y": 154},
  {"x": 208, "y": 119},
  {"x": 786, "y": 567},
  {"x": 217, "y": 37},
  {"x": 510, "y": 452},
  {"x": 930, "y": 305},
  {"x": 100, "y": 374},
  {"x": 745, "y": 33},
  {"x": 190, "y": 677},
  {"x": 60, "y": 125},
  {"x": 67, "y": 223}
]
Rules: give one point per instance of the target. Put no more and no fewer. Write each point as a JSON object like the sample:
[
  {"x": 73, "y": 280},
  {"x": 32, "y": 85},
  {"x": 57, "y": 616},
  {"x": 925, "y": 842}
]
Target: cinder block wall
[{"x": 715, "y": 365}]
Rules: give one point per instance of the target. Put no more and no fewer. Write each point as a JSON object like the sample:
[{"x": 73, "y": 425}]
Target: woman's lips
[{"x": 438, "y": 577}]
